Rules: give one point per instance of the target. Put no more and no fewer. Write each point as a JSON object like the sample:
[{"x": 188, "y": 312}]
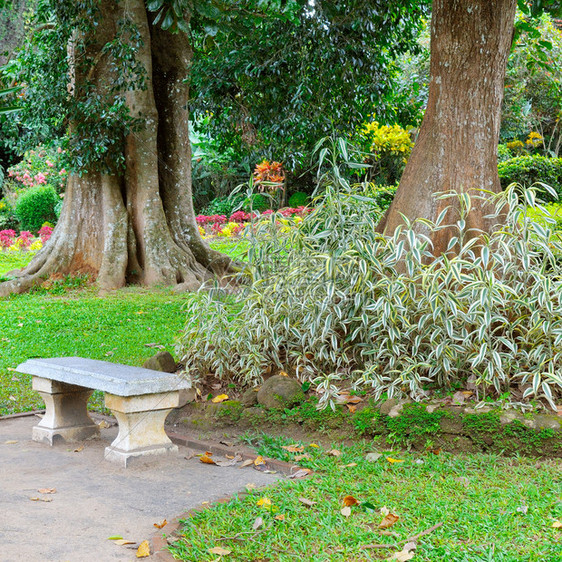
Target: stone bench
[{"x": 139, "y": 398}]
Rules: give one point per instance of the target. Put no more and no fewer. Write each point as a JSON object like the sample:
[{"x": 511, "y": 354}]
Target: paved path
[{"x": 95, "y": 499}]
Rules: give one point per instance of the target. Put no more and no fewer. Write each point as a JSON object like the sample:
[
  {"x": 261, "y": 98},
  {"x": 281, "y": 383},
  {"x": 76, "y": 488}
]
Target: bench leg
[
  {"x": 141, "y": 426},
  {"x": 66, "y": 415}
]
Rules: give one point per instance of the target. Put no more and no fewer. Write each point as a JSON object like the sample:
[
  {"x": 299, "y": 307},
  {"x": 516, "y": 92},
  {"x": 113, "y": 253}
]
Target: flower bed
[
  {"x": 223, "y": 226},
  {"x": 10, "y": 241}
]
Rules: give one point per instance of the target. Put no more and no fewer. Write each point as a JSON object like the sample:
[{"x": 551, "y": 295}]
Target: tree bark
[
  {"x": 137, "y": 226},
  {"x": 456, "y": 149}
]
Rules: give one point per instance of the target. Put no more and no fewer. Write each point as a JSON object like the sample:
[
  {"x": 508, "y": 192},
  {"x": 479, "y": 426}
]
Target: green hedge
[
  {"x": 527, "y": 170},
  {"x": 35, "y": 206}
]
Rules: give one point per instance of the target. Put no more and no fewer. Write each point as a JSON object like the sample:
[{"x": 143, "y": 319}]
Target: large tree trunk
[
  {"x": 457, "y": 145},
  {"x": 138, "y": 226}
]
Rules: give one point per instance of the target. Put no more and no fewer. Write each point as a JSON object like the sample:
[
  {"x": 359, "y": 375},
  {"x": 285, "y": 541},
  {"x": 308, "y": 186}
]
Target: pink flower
[
  {"x": 45, "y": 232},
  {"x": 49, "y": 163},
  {"x": 62, "y": 172},
  {"x": 40, "y": 178},
  {"x": 7, "y": 238},
  {"x": 59, "y": 149}
]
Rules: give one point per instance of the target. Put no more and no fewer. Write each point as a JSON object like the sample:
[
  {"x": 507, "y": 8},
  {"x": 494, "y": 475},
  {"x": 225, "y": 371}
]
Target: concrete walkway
[{"x": 95, "y": 499}]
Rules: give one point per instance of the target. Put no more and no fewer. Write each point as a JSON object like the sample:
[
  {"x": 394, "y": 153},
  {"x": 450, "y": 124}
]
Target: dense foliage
[
  {"x": 295, "y": 71},
  {"x": 530, "y": 169},
  {"x": 334, "y": 301}
]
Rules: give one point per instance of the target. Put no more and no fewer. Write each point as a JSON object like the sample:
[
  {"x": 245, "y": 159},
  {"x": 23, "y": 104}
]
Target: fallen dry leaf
[
  {"x": 373, "y": 457},
  {"x": 334, "y": 453},
  {"x": 11, "y": 442},
  {"x": 230, "y": 462},
  {"x": 557, "y": 524},
  {"x": 160, "y": 525},
  {"x": 390, "y": 459},
  {"x": 78, "y": 449},
  {"x": 206, "y": 458},
  {"x": 258, "y": 460},
  {"x": 302, "y": 457},
  {"x": 388, "y": 521},
  {"x": 301, "y": 473},
  {"x": 401, "y": 556},
  {"x": 47, "y": 490},
  {"x": 143, "y": 550},
  {"x": 349, "y": 500},
  {"x": 293, "y": 448},
  {"x": 41, "y": 499},
  {"x": 246, "y": 463},
  {"x": 283, "y": 374},
  {"x": 220, "y": 398},
  {"x": 122, "y": 542},
  {"x": 346, "y": 511},
  {"x": 280, "y": 517},
  {"x": 220, "y": 551},
  {"x": 314, "y": 445},
  {"x": 308, "y": 503},
  {"x": 412, "y": 545},
  {"x": 257, "y": 523},
  {"x": 350, "y": 465},
  {"x": 351, "y": 408},
  {"x": 103, "y": 424}
]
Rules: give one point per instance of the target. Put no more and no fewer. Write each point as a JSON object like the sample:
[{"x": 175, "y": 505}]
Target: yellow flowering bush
[{"x": 390, "y": 146}]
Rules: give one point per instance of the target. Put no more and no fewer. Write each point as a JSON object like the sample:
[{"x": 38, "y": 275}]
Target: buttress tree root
[{"x": 137, "y": 225}]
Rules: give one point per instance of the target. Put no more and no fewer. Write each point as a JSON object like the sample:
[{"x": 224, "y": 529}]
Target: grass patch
[
  {"x": 66, "y": 320},
  {"x": 481, "y": 499}
]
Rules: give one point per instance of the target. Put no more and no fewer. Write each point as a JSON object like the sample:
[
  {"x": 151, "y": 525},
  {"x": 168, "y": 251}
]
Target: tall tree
[
  {"x": 456, "y": 149},
  {"x": 127, "y": 212}
]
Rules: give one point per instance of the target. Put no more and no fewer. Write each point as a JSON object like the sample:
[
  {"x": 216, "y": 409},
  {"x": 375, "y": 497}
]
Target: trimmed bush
[
  {"x": 299, "y": 199},
  {"x": 36, "y": 206},
  {"x": 527, "y": 170}
]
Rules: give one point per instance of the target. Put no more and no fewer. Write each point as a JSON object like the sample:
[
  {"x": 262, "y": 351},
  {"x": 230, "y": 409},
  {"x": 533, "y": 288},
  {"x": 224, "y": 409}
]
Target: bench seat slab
[
  {"x": 66, "y": 415},
  {"x": 141, "y": 426}
]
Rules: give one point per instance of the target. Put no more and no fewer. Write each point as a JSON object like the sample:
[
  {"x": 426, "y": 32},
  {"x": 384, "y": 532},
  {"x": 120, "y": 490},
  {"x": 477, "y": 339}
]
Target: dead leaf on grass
[
  {"x": 334, "y": 453},
  {"x": 345, "y": 511},
  {"x": 351, "y": 408},
  {"x": 47, "y": 490},
  {"x": 143, "y": 550},
  {"x": 391, "y": 460},
  {"x": 258, "y": 461},
  {"x": 257, "y": 523},
  {"x": 302, "y": 457},
  {"x": 301, "y": 473},
  {"x": 220, "y": 551},
  {"x": 388, "y": 521},
  {"x": 314, "y": 445},
  {"x": 401, "y": 556},
  {"x": 557, "y": 524},
  {"x": 523, "y": 509},
  {"x": 160, "y": 525},
  {"x": 373, "y": 457},
  {"x": 220, "y": 398},
  {"x": 293, "y": 448},
  {"x": 351, "y": 464},
  {"x": 350, "y": 500},
  {"x": 280, "y": 517},
  {"x": 308, "y": 503}
]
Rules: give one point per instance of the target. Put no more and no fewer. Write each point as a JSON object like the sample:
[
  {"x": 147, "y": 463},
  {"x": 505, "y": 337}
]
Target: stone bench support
[
  {"x": 139, "y": 398},
  {"x": 66, "y": 415},
  {"x": 141, "y": 426}
]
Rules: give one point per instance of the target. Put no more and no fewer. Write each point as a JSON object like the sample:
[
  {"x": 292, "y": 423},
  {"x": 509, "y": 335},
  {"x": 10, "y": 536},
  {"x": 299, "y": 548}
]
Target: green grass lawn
[
  {"x": 493, "y": 509},
  {"x": 116, "y": 327}
]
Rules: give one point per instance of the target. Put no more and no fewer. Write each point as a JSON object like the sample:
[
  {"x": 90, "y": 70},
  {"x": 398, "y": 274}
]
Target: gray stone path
[{"x": 95, "y": 499}]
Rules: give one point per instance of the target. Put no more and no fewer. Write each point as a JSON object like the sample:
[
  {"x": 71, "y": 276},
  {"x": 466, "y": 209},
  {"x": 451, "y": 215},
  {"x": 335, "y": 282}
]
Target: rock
[
  {"x": 187, "y": 287},
  {"x": 249, "y": 398},
  {"x": 280, "y": 392},
  {"x": 187, "y": 395},
  {"x": 162, "y": 361},
  {"x": 386, "y": 406},
  {"x": 395, "y": 411},
  {"x": 373, "y": 457},
  {"x": 544, "y": 421}
]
